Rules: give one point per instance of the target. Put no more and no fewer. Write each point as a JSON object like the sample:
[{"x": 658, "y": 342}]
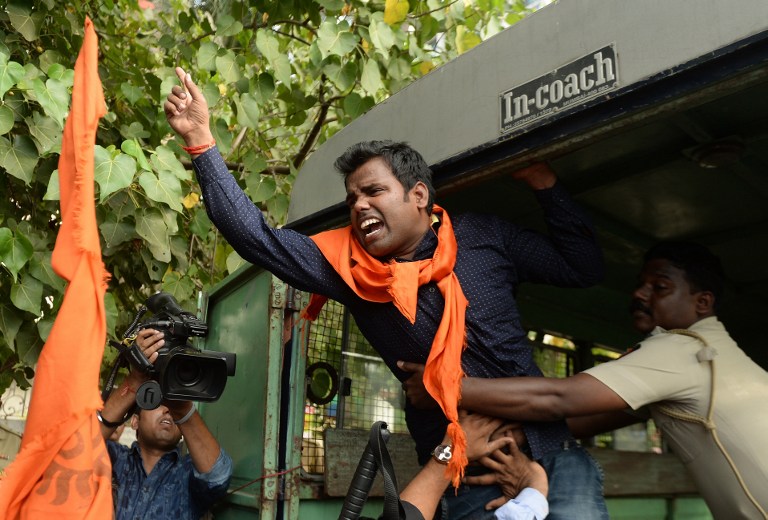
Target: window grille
[{"x": 368, "y": 392}]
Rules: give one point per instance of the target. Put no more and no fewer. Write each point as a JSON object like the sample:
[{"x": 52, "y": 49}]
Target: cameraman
[{"x": 151, "y": 479}]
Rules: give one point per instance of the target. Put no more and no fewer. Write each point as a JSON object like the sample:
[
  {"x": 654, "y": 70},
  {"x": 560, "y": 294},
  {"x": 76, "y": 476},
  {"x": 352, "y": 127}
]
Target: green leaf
[
  {"x": 163, "y": 188},
  {"x": 154, "y": 267},
  {"x": 24, "y": 20},
  {"x": 429, "y": 28},
  {"x": 227, "y": 67},
  {"x": 206, "y": 56},
  {"x": 151, "y": 226},
  {"x": 254, "y": 162},
  {"x": 171, "y": 219},
  {"x": 28, "y": 343},
  {"x": 44, "y": 327},
  {"x": 399, "y": 69},
  {"x": 27, "y": 294},
  {"x": 270, "y": 48},
  {"x": 46, "y": 132},
  {"x": 56, "y": 71},
  {"x": 267, "y": 44},
  {"x": 133, "y": 148},
  {"x": 278, "y": 207},
  {"x": 15, "y": 250},
  {"x": 114, "y": 171},
  {"x": 200, "y": 224},
  {"x": 371, "y": 78},
  {"x": 381, "y": 34},
  {"x": 6, "y": 119},
  {"x": 227, "y": 26},
  {"x": 20, "y": 158},
  {"x": 211, "y": 94},
  {"x": 465, "y": 39},
  {"x": 51, "y": 58},
  {"x": 53, "y": 193},
  {"x": 123, "y": 205},
  {"x": 265, "y": 87},
  {"x": 178, "y": 286},
  {"x": 355, "y": 106},
  {"x": 165, "y": 160},
  {"x": 53, "y": 96},
  {"x": 260, "y": 187},
  {"x": 180, "y": 252},
  {"x": 234, "y": 262},
  {"x": 10, "y": 321},
  {"x": 134, "y": 131},
  {"x": 336, "y": 39},
  {"x": 116, "y": 232},
  {"x": 343, "y": 77},
  {"x": 131, "y": 92},
  {"x": 222, "y": 134},
  {"x": 247, "y": 110},
  {"x": 10, "y": 73},
  {"x": 40, "y": 267}
]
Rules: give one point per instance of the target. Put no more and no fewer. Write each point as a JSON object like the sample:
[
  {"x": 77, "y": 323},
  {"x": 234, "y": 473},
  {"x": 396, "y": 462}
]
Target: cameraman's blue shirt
[
  {"x": 174, "y": 489},
  {"x": 494, "y": 256}
]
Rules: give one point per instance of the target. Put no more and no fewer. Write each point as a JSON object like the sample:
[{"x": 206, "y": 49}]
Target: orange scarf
[{"x": 398, "y": 282}]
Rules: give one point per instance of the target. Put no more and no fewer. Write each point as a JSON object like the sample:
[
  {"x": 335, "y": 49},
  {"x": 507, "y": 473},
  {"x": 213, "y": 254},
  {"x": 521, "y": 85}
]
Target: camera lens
[{"x": 188, "y": 372}]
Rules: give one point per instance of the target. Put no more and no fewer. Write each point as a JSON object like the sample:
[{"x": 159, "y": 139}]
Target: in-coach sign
[{"x": 575, "y": 82}]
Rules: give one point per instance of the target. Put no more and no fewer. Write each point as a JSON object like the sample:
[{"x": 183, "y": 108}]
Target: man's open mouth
[{"x": 370, "y": 226}]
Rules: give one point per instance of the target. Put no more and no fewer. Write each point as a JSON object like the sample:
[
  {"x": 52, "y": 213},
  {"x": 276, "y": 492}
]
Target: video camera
[{"x": 181, "y": 372}]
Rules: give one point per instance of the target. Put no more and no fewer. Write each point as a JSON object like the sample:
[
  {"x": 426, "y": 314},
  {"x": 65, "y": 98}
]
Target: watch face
[{"x": 443, "y": 454}]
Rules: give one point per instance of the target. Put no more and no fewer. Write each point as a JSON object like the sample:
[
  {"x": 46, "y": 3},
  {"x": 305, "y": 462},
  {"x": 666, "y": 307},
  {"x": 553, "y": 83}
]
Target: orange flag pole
[{"x": 62, "y": 469}]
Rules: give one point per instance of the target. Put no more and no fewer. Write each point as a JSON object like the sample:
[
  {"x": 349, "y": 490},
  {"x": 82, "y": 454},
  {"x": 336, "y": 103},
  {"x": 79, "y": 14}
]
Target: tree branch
[
  {"x": 289, "y": 35},
  {"x": 311, "y": 138}
]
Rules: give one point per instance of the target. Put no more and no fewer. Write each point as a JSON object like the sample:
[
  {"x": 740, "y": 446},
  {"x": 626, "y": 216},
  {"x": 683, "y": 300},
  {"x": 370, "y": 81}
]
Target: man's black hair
[
  {"x": 407, "y": 165},
  {"x": 703, "y": 269}
]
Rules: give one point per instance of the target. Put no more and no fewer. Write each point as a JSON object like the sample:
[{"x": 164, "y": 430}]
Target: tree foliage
[{"x": 280, "y": 76}]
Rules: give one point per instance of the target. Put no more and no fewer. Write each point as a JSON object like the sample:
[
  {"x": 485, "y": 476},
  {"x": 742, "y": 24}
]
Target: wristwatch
[{"x": 442, "y": 454}]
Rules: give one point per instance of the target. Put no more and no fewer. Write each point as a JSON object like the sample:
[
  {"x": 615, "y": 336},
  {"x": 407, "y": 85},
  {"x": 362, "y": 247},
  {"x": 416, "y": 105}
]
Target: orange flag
[{"x": 62, "y": 470}]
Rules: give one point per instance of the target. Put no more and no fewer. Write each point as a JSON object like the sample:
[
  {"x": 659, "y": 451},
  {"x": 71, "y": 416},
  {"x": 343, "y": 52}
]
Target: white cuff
[{"x": 529, "y": 503}]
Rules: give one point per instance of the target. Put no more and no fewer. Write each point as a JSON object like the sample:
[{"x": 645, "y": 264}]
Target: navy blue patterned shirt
[
  {"x": 494, "y": 257},
  {"x": 174, "y": 489}
]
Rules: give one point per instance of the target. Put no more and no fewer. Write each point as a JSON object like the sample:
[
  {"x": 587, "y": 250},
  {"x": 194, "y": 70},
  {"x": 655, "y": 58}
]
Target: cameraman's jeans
[{"x": 575, "y": 490}]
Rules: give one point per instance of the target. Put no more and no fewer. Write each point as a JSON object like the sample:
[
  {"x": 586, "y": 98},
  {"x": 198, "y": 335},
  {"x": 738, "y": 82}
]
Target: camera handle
[{"x": 136, "y": 357}]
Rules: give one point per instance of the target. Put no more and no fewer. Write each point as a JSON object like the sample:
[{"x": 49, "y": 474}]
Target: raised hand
[
  {"x": 187, "y": 111},
  {"x": 538, "y": 176}
]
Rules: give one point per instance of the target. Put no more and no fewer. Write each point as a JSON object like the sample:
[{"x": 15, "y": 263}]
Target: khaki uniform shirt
[{"x": 666, "y": 372}]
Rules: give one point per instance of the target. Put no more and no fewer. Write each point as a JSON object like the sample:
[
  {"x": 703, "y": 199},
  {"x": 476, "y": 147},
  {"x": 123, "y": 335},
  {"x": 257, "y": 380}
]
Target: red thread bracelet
[
  {"x": 125, "y": 389},
  {"x": 194, "y": 150}
]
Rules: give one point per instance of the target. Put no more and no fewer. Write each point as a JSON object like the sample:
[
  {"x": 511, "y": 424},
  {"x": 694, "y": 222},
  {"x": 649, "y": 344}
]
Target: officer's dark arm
[{"x": 539, "y": 398}]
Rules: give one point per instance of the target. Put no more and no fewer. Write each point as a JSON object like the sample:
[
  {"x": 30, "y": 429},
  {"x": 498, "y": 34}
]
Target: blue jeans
[{"x": 575, "y": 490}]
